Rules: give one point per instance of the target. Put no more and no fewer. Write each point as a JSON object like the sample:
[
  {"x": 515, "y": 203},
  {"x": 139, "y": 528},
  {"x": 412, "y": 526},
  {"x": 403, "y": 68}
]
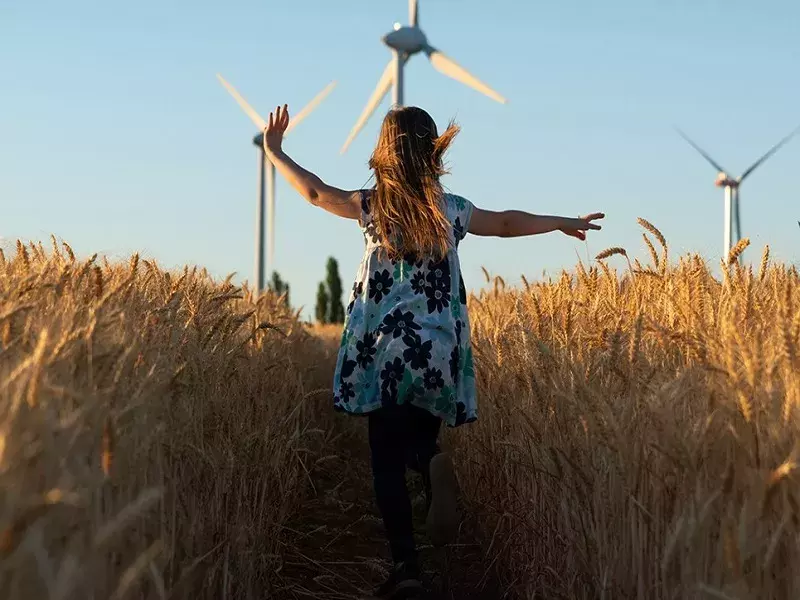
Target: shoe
[
  {"x": 442, "y": 522},
  {"x": 403, "y": 578}
]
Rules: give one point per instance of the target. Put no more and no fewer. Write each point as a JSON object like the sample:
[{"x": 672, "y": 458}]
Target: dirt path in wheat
[{"x": 337, "y": 550}]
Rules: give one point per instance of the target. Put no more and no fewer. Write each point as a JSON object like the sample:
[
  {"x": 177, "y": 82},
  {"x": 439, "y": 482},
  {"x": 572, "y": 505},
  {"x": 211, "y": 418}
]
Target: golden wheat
[
  {"x": 637, "y": 434},
  {"x": 664, "y": 471},
  {"x": 153, "y": 428},
  {"x": 736, "y": 251}
]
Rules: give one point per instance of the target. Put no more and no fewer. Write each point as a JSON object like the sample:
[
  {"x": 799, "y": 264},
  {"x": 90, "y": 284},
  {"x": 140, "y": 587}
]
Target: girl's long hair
[{"x": 407, "y": 202}]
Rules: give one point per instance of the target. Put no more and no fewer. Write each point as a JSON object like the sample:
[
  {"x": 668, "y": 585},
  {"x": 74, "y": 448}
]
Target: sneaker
[
  {"x": 442, "y": 522},
  {"x": 403, "y": 578}
]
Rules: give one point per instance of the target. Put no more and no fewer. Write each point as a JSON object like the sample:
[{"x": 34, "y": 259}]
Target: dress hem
[{"x": 364, "y": 411}]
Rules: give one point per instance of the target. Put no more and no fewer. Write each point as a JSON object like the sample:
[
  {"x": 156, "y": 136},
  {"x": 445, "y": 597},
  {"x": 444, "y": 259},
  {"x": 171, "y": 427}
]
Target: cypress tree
[{"x": 334, "y": 282}]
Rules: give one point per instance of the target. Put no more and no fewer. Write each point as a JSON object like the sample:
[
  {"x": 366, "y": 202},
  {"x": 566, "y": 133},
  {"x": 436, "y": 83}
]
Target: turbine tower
[
  {"x": 404, "y": 42},
  {"x": 731, "y": 188},
  {"x": 266, "y": 178}
]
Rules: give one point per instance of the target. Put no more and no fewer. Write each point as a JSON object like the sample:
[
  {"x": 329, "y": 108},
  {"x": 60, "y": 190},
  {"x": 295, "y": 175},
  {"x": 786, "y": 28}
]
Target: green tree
[
  {"x": 321, "y": 309},
  {"x": 279, "y": 286},
  {"x": 334, "y": 283}
]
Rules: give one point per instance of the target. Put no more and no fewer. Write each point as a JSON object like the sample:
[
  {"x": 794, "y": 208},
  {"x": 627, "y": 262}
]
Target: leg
[
  {"x": 388, "y": 442},
  {"x": 424, "y": 433}
]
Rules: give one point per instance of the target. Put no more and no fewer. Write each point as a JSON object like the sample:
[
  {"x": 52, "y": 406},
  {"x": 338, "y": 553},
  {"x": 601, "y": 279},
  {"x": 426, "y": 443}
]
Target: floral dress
[{"x": 406, "y": 334}]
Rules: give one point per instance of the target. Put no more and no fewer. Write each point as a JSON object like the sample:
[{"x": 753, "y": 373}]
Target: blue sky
[{"x": 117, "y": 137}]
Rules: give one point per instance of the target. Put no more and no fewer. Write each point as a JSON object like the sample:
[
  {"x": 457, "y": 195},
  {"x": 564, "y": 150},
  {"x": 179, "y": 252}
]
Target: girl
[{"x": 405, "y": 360}]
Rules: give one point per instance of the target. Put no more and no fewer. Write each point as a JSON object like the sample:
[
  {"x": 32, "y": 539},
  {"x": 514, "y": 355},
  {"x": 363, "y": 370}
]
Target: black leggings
[{"x": 399, "y": 437}]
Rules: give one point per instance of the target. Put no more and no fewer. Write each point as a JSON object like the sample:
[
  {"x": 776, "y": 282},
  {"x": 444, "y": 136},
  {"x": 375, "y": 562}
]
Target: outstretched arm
[
  {"x": 517, "y": 223},
  {"x": 339, "y": 202}
]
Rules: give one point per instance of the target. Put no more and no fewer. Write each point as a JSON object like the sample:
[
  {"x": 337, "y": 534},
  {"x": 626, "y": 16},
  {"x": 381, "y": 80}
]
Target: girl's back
[{"x": 406, "y": 334}]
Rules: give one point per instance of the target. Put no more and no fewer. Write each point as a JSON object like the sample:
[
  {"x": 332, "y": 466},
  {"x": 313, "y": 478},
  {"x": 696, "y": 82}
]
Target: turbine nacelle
[
  {"x": 406, "y": 40},
  {"x": 724, "y": 180}
]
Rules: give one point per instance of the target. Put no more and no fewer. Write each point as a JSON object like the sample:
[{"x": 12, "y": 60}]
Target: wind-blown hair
[{"x": 407, "y": 203}]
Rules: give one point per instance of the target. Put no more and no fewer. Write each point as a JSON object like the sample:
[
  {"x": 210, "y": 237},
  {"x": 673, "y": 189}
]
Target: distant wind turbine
[
  {"x": 731, "y": 187},
  {"x": 404, "y": 42},
  {"x": 267, "y": 172}
]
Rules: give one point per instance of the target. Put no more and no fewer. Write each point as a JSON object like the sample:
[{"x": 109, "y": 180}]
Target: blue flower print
[
  {"x": 391, "y": 376},
  {"x": 438, "y": 274},
  {"x": 438, "y": 299},
  {"x": 357, "y": 289},
  {"x": 433, "y": 379},
  {"x": 398, "y": 323},
  {"x": 418, "y": 283},
  {"x": 346, "y": 392},
  {"x": 454, "y": 360},
  {"x": 348, "y": 366},
  {"x": 418, "y": 352},
  {"x": 380, "y": 284},
  {"x": 461, "y": 413},
  {"x": 366, "y": 350}
]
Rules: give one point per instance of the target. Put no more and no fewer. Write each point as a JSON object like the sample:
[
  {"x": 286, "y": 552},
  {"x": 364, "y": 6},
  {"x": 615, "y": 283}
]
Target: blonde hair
[{"x": 406, "y": 203}]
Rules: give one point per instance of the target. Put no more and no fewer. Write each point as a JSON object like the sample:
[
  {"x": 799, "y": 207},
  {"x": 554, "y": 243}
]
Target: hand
[
  {"x": 577, "y": 227},
  {"x": 275, "y": 129}
]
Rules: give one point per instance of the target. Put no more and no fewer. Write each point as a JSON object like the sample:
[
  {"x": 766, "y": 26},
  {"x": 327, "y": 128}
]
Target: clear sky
[{"x": 116, "y": 136}]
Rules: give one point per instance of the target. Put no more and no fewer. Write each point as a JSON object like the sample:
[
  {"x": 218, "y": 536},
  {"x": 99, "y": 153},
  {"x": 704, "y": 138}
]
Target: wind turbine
[
  {"x": 731, "y": 188},
  {"x": 404, "y": 42},
  {"x": 266, "y": 179}
]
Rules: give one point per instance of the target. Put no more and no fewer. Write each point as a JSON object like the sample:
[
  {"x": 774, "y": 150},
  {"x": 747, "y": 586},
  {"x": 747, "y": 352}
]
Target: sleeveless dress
[{"x": 406, "y": 333}]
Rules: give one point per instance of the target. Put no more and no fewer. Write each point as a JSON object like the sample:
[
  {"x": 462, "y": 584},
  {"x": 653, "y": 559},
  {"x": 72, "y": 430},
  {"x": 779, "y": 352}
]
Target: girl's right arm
[
  {"x": 343, "y": 203},
  {"x": 517, "y": 223}
]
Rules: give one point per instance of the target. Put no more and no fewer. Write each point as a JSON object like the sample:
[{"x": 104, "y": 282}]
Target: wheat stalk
[
  {"x": 736, "y": 251},
  {"x": 608, "y": 252}
]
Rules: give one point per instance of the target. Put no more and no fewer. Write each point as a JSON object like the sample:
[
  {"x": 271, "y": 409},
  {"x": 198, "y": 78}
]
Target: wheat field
[
  {"x": 638, "y": 431},
  {"x": 155, "y": 429},
  {"x": 637, "y": 434}
]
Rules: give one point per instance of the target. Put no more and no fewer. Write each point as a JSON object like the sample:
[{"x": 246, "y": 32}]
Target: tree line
[{"x": 329, "y": 307}]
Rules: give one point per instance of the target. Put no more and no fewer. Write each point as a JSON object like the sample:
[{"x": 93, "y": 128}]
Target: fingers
[
  {"x": 279, "y": 118},
  {"x": 592, "y": 217},
  {"x": 285, "y": 116}
]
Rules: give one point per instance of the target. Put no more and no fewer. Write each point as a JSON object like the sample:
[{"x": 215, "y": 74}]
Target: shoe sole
[{"x": 442, "y": 521}]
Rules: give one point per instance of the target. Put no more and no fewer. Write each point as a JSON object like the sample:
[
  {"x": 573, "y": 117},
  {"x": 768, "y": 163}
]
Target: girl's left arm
[{"x": 343, "y": 203}]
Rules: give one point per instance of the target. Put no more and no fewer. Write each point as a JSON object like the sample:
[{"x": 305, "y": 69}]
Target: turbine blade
[
  {"x": 769, "y": 153},
  {"x": 737, "y": 219},
  {"x": 701, "y": 151},
  {"x": 384, "y": 83},
  {"x": 309, "y": 107},
  {"x": 254, "y": 116},
  {"x": 447, "y": 66},
  {"x": 413, "y": 13}
]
